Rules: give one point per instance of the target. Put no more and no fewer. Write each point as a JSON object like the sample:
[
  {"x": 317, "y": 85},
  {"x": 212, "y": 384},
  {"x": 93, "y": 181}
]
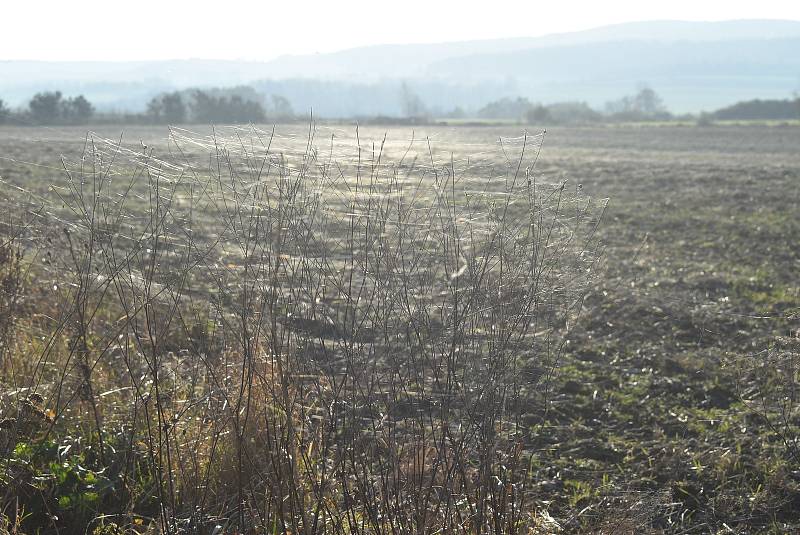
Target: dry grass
[{"x": 262, "y": 336}]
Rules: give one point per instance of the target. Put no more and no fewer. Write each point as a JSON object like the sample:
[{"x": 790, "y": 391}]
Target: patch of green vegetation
[{"x": 57, "y": 482}]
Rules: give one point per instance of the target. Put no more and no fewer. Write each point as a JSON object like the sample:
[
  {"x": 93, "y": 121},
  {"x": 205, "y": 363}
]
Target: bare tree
[
  {"x": 411, "y": 104},
  {"x": 5, "y": 112}
]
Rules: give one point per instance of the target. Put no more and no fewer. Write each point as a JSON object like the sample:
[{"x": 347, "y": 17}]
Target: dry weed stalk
[{"x": 320, "y": 340}]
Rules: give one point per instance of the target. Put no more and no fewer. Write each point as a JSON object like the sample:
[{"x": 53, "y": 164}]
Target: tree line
[
  {"x": 188, "y": 106},
  {"x": 50, "y": 107},
  {"x": 760, "y": 110},
  {"x": 645, "y": 105},
  {"x": 246, "y": 105},
  {"x": 195, "y": 106}
]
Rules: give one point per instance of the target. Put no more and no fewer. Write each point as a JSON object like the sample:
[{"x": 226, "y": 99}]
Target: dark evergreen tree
[
  {"x": 77, "y": 110},
  {"x": 167, "y": 108},
  {"x": 46, "y": 108}
]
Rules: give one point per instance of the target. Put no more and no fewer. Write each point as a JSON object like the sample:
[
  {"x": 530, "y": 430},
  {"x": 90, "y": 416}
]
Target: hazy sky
[{"x": 238, "y": 29}]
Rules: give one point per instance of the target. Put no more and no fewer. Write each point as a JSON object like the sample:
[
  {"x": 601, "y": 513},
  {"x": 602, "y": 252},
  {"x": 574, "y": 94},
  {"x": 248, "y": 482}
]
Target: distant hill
[
  {"x": 692, "y": 65},
  {"x": 416, "y": 59}
]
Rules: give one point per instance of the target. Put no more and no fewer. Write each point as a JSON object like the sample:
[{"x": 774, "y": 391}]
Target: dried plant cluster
[{"x": 239, "y": 336}]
